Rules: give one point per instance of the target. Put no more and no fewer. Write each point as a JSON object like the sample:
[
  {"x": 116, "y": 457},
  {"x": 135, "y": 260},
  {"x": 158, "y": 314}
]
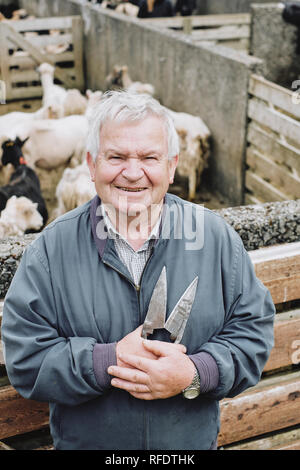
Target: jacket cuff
[
  {"x": 207, "y": 370},
  {"x": 104, "y": 355}
]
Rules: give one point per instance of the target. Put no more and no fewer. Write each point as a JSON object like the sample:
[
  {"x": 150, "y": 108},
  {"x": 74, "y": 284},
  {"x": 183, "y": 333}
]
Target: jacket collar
[{"x": 99, "y": 229}]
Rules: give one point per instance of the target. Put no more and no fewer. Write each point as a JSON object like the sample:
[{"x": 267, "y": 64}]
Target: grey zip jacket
[{"x": 71, "y": 292}]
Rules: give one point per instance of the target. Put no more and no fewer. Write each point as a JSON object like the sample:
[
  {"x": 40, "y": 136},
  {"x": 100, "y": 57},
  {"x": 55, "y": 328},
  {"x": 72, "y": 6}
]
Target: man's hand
[
  {"x": 164, "y": 375},
  {"x": 132, "y": 344}
]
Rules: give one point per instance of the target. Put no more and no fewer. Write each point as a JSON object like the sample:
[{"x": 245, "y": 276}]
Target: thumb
[{"x": 161, "y": 348}]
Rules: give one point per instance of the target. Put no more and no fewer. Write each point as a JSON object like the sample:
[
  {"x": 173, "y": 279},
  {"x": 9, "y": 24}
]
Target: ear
[
  {"x": 182, "y": 133},
  {"x": 172, "y": 168},
  {"x": 23, "y": 141},
  {"x": 91, "y": 164}
]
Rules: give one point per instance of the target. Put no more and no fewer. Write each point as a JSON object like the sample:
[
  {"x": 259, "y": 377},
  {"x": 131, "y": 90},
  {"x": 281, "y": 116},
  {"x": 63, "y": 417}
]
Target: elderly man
[{"x": 73, "y": 316}]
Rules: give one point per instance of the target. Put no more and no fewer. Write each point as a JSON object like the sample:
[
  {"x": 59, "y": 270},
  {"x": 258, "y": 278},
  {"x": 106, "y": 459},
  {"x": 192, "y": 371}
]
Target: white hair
[{"x": 123, "y": 105}]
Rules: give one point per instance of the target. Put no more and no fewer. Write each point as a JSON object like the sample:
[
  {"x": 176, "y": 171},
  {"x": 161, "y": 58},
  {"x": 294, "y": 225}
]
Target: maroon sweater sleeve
[{"x": 104, "y": 355}]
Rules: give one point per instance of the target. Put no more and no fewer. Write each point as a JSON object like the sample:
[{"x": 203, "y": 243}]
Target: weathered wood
[
  {"x": 276, "y": 121},
  {"x": 187, "y": 25},
  {"x": 275, "y": 174},
  {"x": 270, "y": 406},
  {"x": 286, "y": 350},
  {"x": 36, "y": 54},
  {"x": 18, "y": 416},
  {"x": 273, "y": 93},
  {"x": 5, "y": 446},
  {"x": 77, "y": 28},
  {"x": 270, "y": 144},
  {"x": 279, "y": 269},
  {"x": 263, "y": 190},
  {"x": 25, "y": 61},
  {"x": 4, "y": 63},
  {"x": 27, "y": 92},
  {"x": 222, "y": 33},
  {"x": 201, "y": 20},
  {"x": 279, "y": 440},
  {"x": 44, "y": 40},
  {"x": 276, "y": 261},
  {"x": 289, "y": 446},
  {"x": 43, "y": 24}
]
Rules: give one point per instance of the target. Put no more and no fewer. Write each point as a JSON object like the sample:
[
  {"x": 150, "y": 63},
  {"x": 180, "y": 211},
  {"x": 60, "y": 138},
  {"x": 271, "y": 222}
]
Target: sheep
[
  {"x": 23, "y": 181},
  {"x": 74, "y": 189},
  {"x": 120, "y": 78},
  {"x": 53, "y": 142},
  {"x": 194, "y": 139},
  {"x": 127, "y": 8},
  {"x": 19, "y": 216},
  {"x": 74, "y": 103},
  {"x": 53, "y": 95}
]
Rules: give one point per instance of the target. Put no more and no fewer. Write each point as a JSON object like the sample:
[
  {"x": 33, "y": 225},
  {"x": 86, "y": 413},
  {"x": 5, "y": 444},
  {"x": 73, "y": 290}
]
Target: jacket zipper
[{"x": 137, "y": 289}]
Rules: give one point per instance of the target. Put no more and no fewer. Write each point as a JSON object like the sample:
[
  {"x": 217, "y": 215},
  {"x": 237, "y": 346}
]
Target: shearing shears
[{"x": 156, "y": 315}]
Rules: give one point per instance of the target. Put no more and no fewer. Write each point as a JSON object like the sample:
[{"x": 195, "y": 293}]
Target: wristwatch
[{"x": 193, "y": 390}]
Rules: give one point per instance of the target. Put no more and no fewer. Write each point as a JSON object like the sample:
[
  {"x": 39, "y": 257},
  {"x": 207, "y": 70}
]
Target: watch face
[{"x": 192, "y": 393}]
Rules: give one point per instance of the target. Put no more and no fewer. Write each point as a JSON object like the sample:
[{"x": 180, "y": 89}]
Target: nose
[{"x": 133, "y": 170}]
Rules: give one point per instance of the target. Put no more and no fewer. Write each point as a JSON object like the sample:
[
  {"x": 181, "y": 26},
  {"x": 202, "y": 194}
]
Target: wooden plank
[
  {"x": 222, "y": 33},
  {"x": 201, "y": 20},
  {"x": 279, "y": 269},
  {"x": 263, "y": 190},
  {"x": 289, "y": 446},
  {"x": 273, "y": 147},
  {"x": 286, "y": 341},
  {"x": 271, "y": 406},
  {"x": 18, "y": 416},
  {"x": 40, "y": 24},
  {"x": 17, "y": 76},
  {"x": 279, "y": 440},
  {"x": 77, "y": 35},
  {"x": 27, "y": 92},
  {"x": 4, "y": 62},
  {"x": 273, "y": 93},
  {"x": 276, "y": 121},
  {"x": 5, "y": 446},
  {"x": 25, "y": 61},
  {"x": 36, "y": 54},
  {"x": 20, "y": 105},
  {"x": 276, "y": 261},
  {"x": 274, "y": 173},
  {"x": 45, "y": 40}
]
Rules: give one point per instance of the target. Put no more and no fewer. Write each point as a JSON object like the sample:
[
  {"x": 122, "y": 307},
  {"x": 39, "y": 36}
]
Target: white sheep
[
  {"x": 194, "y": 139},
  {"x": 74, "y": 189},
  {"x": 53, "y": 95},
  {"x": 19, "y": 215},
  {"x": 74, "y": 103},
  {"x": 53, "y": 142}
]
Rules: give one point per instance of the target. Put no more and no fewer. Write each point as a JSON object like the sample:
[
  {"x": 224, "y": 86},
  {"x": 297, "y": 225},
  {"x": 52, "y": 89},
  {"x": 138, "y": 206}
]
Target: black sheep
[{"x": 23, "y": 181}]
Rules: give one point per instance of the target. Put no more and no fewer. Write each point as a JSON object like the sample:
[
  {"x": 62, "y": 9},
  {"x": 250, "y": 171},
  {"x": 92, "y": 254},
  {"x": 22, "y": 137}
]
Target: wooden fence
[
  {"x": 273, "y": 152},
  {"x": 27, "y": 43},
  {"x": 263, "y": 417},
  {"x": 231, "y": 30}
]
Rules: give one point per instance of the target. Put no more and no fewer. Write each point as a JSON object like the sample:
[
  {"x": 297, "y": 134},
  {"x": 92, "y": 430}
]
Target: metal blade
[
  {"x": 156, "y": 315},
  {"x": 179, "y": 316}
]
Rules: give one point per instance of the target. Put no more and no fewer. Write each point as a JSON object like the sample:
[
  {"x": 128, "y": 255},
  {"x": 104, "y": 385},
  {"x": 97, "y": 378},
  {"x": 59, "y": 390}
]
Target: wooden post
[
  {"x": 187, "y": 25},
  {"x": 4, "y": 63}
]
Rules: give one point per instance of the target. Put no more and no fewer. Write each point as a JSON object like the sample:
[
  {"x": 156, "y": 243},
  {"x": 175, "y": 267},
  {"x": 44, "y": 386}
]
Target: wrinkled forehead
[{"x": 135, "y": 131}]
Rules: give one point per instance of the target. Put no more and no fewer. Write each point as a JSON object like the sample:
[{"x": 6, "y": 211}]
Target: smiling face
[{"x": 132, "y": 171}]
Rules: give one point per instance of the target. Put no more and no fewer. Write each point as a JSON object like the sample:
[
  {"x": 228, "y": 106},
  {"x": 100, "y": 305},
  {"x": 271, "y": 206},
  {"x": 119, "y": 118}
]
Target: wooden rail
[
  {"x": 273, "y": 154},
  {"x": 23, "y": 48}
]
